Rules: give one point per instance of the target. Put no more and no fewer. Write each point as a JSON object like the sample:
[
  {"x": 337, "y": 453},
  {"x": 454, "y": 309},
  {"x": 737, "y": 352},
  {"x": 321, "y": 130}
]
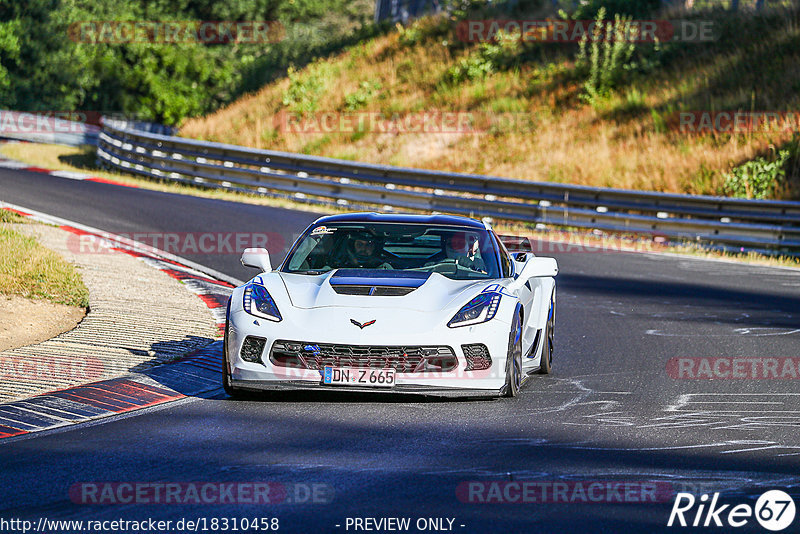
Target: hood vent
[
  {"x": 377, "y": 283},
  {"x": 372, "y": 291}
]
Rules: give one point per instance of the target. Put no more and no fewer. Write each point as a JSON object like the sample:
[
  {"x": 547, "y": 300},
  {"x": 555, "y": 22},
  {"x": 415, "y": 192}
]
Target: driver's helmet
[
  {"x": 458, "y": 244},
  {"x": 364, "y": 246}
]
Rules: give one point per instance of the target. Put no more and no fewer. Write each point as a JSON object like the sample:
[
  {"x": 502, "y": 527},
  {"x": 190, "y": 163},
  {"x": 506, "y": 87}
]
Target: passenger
[
  {"x": 365, "y": 251},
  {"x": 462, "y": 248}
]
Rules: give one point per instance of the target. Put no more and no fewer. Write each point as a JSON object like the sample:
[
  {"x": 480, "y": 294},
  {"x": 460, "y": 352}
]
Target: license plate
[{"x": 380, "y": 378}]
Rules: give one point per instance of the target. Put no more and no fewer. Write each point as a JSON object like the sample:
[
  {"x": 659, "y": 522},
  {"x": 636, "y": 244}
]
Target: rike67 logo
[{"x": 774, "y": 510}]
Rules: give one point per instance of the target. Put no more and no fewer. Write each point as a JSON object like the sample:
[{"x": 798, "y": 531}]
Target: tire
[
  {"x": 514, "y": 359},
  {"x": 226, "y": 374},
  {"x": 546, "y": 365}
]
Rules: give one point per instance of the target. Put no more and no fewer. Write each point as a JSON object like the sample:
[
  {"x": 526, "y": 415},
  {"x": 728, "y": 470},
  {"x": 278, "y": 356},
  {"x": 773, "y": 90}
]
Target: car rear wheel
[
  {"x": 546, "y": 365},
  {"x": 514, "y": 359}
]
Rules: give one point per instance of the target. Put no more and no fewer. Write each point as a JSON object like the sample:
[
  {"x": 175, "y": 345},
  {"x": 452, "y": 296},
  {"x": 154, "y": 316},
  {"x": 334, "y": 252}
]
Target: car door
[{"x": 511, "y": 269}]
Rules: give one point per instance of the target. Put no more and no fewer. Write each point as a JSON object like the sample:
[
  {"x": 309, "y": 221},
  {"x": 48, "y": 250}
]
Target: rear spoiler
[{"x": 515, "y": 243}]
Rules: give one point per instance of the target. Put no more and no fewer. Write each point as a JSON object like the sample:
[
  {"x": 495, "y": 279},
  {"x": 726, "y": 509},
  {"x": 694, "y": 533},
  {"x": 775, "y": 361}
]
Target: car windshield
[{"x": 459, "y": 253}]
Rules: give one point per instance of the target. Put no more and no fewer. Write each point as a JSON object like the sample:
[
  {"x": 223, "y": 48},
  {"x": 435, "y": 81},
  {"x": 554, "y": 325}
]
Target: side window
[
  {"x": 300, "y": 256},
  {"x": 506, "y": 265}
]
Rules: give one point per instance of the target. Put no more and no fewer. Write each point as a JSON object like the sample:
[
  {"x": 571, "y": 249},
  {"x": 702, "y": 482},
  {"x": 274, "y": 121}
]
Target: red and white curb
[
  {"x": 71, "y": 175},
  {"x": 191, "y": 375}
]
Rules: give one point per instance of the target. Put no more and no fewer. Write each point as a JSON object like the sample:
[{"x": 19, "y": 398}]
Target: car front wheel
[
  {"x": 226, "y": 373},
  {"x": 514, "y": 359}
]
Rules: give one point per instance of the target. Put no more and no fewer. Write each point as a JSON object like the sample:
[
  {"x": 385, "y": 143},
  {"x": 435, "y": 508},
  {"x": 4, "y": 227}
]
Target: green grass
[{"x": 7, "y": 216}]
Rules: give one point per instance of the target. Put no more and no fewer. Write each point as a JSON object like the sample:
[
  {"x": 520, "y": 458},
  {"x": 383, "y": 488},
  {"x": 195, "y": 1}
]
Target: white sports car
[{"x": 403, "y": 303}]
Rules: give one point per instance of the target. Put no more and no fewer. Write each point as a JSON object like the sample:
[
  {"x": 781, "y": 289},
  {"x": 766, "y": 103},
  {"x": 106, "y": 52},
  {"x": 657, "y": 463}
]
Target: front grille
[
  {"x": 373, "y": 291},
  {"x": 317, "y": 356},
  {"x": 477, "y": 356}
]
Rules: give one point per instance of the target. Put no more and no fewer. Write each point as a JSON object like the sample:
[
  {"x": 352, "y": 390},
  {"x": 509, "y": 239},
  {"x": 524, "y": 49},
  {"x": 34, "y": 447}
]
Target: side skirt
[{"x": 533, "y": 350}]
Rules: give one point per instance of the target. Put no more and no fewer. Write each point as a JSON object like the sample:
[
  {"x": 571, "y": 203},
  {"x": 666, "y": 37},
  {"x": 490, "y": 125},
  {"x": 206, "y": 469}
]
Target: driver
[
  {"x": 462, "y": 249},
  {"x": 459, "y": 245},
  {"x": 365, "y": 251}
]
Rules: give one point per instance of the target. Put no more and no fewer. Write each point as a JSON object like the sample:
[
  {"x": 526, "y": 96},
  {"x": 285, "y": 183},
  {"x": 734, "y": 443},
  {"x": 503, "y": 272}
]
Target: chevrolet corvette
[{"x": 393, "y": 303}]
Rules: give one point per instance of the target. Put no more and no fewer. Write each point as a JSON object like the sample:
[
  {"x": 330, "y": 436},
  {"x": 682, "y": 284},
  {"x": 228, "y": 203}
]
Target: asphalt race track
[{"x": 611, "y": 412}]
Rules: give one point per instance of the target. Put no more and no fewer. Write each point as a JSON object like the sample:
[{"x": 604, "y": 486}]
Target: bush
[
  {"x": 759, "y": 178},
  {"x": 365, "y": 93},
  {"x": 501, "y": 53},
  {"x": 609, "y": 54},
  {"x": 42, "y": 69},
  {"x": 9, "y": 48},
  {"x": 303, "y": 92}
]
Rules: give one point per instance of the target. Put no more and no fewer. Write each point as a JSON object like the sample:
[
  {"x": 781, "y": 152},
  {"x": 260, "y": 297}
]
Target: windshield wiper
[{"x": 312, "y": 271}]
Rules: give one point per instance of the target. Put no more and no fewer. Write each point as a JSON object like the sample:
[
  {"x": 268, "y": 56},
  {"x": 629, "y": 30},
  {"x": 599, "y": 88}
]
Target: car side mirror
[
  {"x": 535, "y": 267},
  {"x": 257, "y": 258}
]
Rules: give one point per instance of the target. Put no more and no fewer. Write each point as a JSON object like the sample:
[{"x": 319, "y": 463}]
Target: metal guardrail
[
  {"x": 38, "y": 128},
  {"x": 52, "y": 129},
  {"x": 739, "y": 222}
]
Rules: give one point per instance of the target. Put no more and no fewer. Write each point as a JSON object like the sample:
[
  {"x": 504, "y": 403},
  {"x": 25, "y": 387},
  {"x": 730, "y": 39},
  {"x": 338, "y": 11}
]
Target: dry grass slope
[{"x": 623, "y": 140}]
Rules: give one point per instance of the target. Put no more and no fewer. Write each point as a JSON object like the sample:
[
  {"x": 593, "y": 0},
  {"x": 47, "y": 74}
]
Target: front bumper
[{"x": 408, "y": 329}]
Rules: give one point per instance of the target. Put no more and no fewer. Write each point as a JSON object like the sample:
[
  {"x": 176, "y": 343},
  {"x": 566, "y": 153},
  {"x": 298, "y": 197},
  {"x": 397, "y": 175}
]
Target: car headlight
[
  {"x": 479, "y": 310},
  {"x": 258, "y": 302}
]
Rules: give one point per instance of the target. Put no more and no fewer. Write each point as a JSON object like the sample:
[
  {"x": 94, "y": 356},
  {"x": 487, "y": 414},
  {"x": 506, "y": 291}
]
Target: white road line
[
  {"x": 736, "y": 412},
  {"x": 736, "y": 394},
  {"x": 69, "y": 174},
  {"x": 733, "y": 402},
  {"x": 755, "y": 449}
]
